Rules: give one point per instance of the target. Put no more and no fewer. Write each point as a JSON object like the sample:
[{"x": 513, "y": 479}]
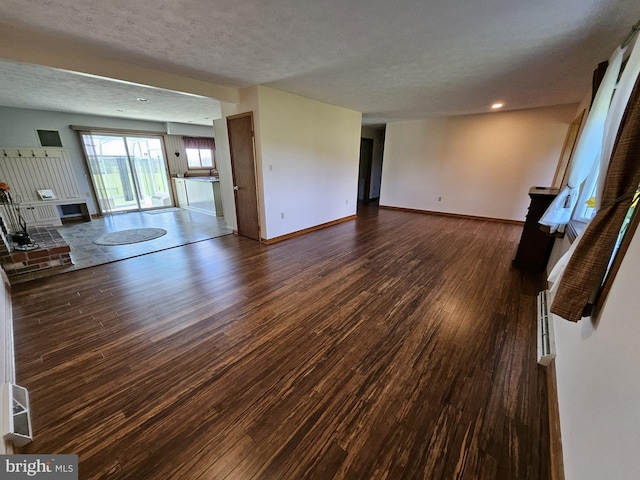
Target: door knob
[{"x": 236, "y": 188}]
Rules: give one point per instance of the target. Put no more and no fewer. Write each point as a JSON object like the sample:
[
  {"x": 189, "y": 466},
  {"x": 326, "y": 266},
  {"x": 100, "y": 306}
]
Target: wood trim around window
[
  {"x": 117, "y": 131},
  {"x": 573, "y": 229},
  {"x": 617, "y": 261},
  {"x": 570, "y": 140}
]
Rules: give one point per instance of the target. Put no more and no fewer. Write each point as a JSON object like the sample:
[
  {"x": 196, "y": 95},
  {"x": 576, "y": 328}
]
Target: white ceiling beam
[{"x": 41, "y": 49}]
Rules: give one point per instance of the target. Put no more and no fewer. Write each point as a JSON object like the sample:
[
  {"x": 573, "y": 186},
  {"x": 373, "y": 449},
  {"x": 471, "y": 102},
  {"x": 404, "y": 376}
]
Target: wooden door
[{"x": 240, "y": 128}]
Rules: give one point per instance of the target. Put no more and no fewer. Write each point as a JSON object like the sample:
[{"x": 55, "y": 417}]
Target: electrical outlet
[
  {"x": 439, "y": 199},
  {"x": 282, "y": 215},
  {"x": 346, "y": 202}
]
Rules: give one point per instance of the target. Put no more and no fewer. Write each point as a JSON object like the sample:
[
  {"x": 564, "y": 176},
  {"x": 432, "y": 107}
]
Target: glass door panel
[
  {"x": 150, "y": 172},
  {"x": 128, "y": 173}
]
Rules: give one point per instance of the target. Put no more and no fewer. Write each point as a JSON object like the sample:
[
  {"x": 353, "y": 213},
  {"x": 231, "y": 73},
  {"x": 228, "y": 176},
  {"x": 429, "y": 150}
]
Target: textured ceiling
[
  {"x": 44, "y": 88},
  {"x": 389, "y": 60}
]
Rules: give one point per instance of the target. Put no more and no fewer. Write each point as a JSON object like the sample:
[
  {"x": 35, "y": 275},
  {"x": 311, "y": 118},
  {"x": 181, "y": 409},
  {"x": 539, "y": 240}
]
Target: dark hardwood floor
[{"x": 397, "y": 346}]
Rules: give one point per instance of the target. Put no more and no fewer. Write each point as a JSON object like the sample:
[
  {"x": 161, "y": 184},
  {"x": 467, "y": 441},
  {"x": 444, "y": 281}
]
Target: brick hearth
[{"x": 52, "y": 252}]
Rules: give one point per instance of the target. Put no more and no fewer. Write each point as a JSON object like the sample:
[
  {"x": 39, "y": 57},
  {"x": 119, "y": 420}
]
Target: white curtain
[
  {"x": 588, "y": 149},
  {"x": 618, "y": 106},
  {"x": 558, "y": 270}
]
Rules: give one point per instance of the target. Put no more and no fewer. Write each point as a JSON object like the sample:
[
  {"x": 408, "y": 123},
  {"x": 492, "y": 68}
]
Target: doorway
[
  {"x": 128, "y": 172},
  {"x": 243, "y": 169},
  {"x": 364, "y": 171}
]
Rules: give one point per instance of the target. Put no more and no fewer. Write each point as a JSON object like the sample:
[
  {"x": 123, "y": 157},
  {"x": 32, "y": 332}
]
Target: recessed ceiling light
[
  {"x": 142, "y": 99},
  {"x": 497, "y": 105},
  {"x": 119, "y": 110}
]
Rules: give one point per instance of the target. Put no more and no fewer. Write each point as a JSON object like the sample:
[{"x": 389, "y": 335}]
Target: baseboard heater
[{"x": 546, "y": 338}]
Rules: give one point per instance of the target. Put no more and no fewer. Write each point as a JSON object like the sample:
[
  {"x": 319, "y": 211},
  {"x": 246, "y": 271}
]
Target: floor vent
[
  {"x": 546, "y": 339},
  {"x": 16, "y": 419}
]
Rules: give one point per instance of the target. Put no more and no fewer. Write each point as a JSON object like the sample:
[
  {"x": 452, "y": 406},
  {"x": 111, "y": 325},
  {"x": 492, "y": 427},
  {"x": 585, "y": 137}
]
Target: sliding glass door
[{"x": 128, "y": 172}]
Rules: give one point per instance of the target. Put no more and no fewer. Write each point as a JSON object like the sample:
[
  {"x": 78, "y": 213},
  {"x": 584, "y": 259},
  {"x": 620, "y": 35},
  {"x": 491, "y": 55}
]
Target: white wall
[
  {"x": 481, "y": 165},
  {"x": 189, "y": 130},
  {"x": 598, "y": 379},
  {"x": 248, "y": 103},
  {"x": 18, "y": 129},
  {"x": 309, "y": 161},
  {"x": 307, "y": 155}
]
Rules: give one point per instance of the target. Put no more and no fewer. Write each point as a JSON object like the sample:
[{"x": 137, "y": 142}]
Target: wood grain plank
[{"x": 399, "y": 345}]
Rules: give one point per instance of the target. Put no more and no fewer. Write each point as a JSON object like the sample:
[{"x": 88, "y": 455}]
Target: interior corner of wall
[{"x": 250, "y": 94}]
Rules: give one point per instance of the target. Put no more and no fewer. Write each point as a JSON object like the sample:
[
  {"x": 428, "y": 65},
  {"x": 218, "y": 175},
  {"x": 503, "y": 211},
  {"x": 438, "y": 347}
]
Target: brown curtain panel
[
  {"x": 199, "y": 142},
  {"x": 587, "y": 267}
]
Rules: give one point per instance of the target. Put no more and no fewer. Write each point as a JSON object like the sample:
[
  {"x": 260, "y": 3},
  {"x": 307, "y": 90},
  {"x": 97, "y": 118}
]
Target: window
[
  {"x": 625, "y": 235},
  {"x": 200, "y": 158},
  {"x": 200, "y": 152},
  {"x": 128, "y": 171},
  {"x": 586, "y": 207},
  {"x": 625, "y": 226}
]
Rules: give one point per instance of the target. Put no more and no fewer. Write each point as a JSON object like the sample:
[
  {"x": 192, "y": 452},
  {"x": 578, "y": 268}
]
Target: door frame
[
  {"x": 366, "y": 194},
  {"x": 255, "y": 172}
]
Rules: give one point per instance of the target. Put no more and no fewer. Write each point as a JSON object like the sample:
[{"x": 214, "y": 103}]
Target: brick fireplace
[{"x": 52, "y": 252}]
